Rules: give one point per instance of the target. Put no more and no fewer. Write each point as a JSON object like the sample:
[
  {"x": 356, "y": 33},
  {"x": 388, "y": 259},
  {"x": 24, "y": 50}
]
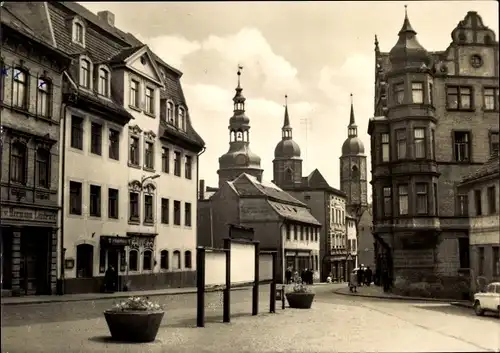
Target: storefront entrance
[{"x": 34, "y": 264}]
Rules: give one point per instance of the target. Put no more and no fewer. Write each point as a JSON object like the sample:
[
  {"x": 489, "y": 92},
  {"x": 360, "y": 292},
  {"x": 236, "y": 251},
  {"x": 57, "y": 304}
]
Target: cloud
[{"x": 172, "y": 49}]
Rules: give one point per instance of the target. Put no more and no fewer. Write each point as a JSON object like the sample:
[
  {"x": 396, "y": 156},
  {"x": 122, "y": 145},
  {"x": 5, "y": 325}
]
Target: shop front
[
  {"x": 112, "y": 256},
  {"x": 28, "y": 250}
]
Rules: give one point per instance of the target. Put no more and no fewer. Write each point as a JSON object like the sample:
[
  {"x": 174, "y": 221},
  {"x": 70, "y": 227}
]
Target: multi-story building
[
  {"x": 31, "y": 71},
  {"x": 436, "y": 121},
  {"x": 352, "y": 244},
  {"x": 326, "y": 203},
  {"x": 480, "y": 194},
  {"x": 280, "y": 222},
  {"x": 129, "y": 167}
]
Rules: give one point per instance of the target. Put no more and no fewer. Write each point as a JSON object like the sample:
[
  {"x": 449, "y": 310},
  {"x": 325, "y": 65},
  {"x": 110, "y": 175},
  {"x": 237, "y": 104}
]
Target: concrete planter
[
  {"x": 133, "y": 326},
  {"x": 300, "y": 300}
]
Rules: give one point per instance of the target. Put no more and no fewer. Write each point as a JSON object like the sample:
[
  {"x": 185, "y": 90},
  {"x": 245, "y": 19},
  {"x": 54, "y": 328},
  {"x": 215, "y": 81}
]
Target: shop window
[
  {"x": 147, "y": 260},
  {"x": 84, "y": 260},
  {"x": 133, "y": 260},
  {"x": 164, "y": 260},
  {"x": 187, "y": 259},
  {"x": 176, "y": 260},
  {"x": 102, "y": 260}
]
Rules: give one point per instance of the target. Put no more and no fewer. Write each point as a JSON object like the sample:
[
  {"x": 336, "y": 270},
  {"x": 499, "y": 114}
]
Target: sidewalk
[{"x": 377, "y": 292}]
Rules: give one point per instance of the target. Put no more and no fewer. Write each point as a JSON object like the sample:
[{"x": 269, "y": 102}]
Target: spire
[
  {"x": 352, "y": 129},
  {"x": 287, "y": 128},
  {"x": 239, "y": 99},
  {"x": 377, "y": 49},
  {"x": 407, "y": 28}
]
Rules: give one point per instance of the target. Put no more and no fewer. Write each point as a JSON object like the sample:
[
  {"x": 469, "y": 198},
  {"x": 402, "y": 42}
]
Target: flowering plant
[
  {"x": 299, "y": 286},
  {"x": 137, "y": 304}
]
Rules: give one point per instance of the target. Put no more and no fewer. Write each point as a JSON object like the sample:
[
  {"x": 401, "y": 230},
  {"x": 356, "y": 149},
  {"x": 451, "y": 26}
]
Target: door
[
  {"x": 113, "y": 260},
  {"x": 34, "y": 261}
]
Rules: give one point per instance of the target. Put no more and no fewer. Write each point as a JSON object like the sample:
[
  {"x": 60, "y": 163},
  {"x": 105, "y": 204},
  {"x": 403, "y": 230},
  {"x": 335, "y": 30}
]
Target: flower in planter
[
  {"x": 137, "y": 304},
  {"x": 299, "y": 286}
]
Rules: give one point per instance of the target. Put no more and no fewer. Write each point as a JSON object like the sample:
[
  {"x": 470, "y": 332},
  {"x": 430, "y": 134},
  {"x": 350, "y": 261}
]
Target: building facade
[
  {"x": 352, "y": 244},
  {"x": 130, "y": 161},
  {"x": 436, "y": 121},
  {"x": 30, "y": 101},
  {"x": 481, "y": 193}
]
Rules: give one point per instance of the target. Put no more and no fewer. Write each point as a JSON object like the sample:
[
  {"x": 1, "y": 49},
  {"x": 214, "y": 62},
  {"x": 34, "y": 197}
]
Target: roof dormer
[
  {"x": 103, "y": 80},
  {"x": 85, "y": 72},
  {"x": 78, "y": 31}
]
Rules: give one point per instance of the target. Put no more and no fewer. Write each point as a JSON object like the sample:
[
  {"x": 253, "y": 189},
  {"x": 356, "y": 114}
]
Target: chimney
[
  {"x": 108, "y": 17},
  {"x": 202, "y": 189}
]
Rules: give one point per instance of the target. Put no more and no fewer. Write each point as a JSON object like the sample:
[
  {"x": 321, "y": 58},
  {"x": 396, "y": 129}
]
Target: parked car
[{"x": 489, "y": 300}]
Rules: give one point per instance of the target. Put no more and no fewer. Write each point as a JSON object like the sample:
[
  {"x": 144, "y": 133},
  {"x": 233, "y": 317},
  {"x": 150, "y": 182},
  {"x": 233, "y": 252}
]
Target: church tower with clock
[
  {"x": 239, "y": 159},
  {"x": 287, "y": 164}
]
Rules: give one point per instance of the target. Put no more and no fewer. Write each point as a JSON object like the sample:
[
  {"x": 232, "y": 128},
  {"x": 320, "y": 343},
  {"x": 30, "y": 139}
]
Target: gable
[{"x": 142, "y": 62}]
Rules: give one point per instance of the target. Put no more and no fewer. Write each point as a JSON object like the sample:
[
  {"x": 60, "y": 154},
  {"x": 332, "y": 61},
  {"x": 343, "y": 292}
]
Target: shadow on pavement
[
  {"x": 213, "y": 319},
  {"x": 456, "y": 310},
  {"x": 110, "y": 340}
]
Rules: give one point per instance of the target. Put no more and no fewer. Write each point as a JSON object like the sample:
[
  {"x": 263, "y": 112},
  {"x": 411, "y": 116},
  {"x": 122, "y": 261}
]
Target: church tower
[
  {"x": 353, "y": 179},
  {"x": 287, "y": 164},
  {"x": 239, "y": 159}
]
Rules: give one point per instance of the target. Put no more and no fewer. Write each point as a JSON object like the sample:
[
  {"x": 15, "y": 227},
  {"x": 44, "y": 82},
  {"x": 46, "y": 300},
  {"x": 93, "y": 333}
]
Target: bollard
[{"x": 283, "y": 297}]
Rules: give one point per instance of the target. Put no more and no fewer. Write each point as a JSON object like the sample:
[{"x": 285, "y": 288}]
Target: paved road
[{"x": 335, "y": 323}]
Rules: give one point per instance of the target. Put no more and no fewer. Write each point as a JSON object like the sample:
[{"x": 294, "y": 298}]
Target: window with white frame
[
  {"x": 417, "y": 92},
  {"x": 20, "y": 88},
  {"x": 385, "y": 147},
  {"x": 182, "y": 119},
  {"x": 150, "y": 100},
  {"x": 103, "y": 82},
  {"x": 79, "y": 32},
  {"x": 43, "y": 97},
  {"x": 403, "y": 199},
  {"x": 170, "y": 112},
  {"x": 85, "y": 73},
  {"x": 419, "y": 142}
]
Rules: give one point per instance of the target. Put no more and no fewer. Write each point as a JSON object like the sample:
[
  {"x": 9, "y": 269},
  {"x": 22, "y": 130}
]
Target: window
[
  {"x": 164, "y": 260},
  {"x": 187, "y": 214},
  {"x": 403, "y": 199},
  {"x": 134, "y": 150},
  {"x": 165, "y": 160},
  {"x": 491, "y": 99},
  {"x": 431, "y": 94},
  {"x": 436, "y": 208},
  {"x": 150, "y": 100},
  {"x": 113, "y": 203},
  {"x": 182, "y": 119},
  {"x": 95, "y": 138},
  {"x": 480, "y": 265},
  {"x": 176, "y": 260},
  {"x": 464, "y": 252},
  {"x": 477, "y": 202},
  {"x": 134, "y": 206},
  {"x": 114, "y": 144},
  {"x": 43, "y": 168},
  {"x": 417, "y": 92},
  {"x": 18, "y": 165},
  {"x": 301, "y": 233},
  {"x": 43, "y": 98},
  {"x": 170, "y": 112},
  {"x": 458, "y": 98},
  {"x": 188, "y": 166},
  {"x": 177, "y": 213},
  {"x": 149, "y": 155},
  {"x": 385, "y": 147},
  {"x": 134, "y": 93},
  {"x": 102, "y": 260},
  {"x": 85, "y": 73},
  {"x": 461, "y": 146},
  {"x": 95, "y": 201},
  {"x": 462, "y": 205},
  {"x": 494, "y": 146},
  {"x": 84, "y": 260},
  {"x": 295, "y": 234},
  {"x": 3, "y": 72},
  {"x": 496, "y": 261},
  {"x": 287, "y": 231},
  {"x": 387, "y": 201},
  {"x": 147, "y": 260},
  {"x": 187, "y": 259},
  {"x": 78, "y": 33},
  {"x": 148, "y": 209},
  {"x": 165, "y": 211},
  {"x": 433, "y": 144},
  {"x": 75, "y": 197},
  {"x": 492, "y": 207},
  {"x": 76, "y": 132},
  {"x": 177, "y": 164},
  {"x": 399, "y": 93},
  {"x": 419, "y": 141},
  {"x": 133, "y": 260},
  {"x": 401, "y": 143},
  {"x": 19, "y": 88},
  {"x": 103, "y": 82},
  {"x": 422, "y": 201}
]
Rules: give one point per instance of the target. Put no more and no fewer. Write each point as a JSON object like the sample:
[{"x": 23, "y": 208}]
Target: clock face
[{"x": 241, "y": 159}]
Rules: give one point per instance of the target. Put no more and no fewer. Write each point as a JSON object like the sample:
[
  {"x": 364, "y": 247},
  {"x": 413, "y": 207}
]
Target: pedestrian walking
[
  {"x": 353, "y": 280},
  {"x": 109, "y": 280},
  {"x": 368, "y": 276},
  {"x": 360, "y": 276}
]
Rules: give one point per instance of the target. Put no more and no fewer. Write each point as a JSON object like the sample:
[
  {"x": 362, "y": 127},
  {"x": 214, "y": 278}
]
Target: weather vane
[
  {"x": 240, "y": 67},
  {"x": 286, "y": 100}
]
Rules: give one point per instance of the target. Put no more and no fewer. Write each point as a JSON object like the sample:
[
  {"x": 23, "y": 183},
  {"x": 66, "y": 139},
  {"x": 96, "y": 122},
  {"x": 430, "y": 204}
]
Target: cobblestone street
[{"x": 335, "y": 323}]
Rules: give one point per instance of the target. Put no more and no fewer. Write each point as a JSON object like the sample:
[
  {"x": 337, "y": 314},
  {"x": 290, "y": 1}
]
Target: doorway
[
  {"x": 34, "y": 271},
  {"x": 113, "y": 260},
  {"x": 6, "y": 255}
]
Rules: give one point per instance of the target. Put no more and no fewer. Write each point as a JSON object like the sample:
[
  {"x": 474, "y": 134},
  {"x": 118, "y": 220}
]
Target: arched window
[
  {"x": 170, "y": 112},
  {"x": 176, "y": 260},
  {"x": 133, "y": 260},
  {"x": 78, "y": 32},
  {"x": 288, "y": 175},
  {"x": 187, "y": 259},
  {"x": 85, "y": 73},
  {"x": 43, "y": 168},
  {"x": 147, "y": 260},
  {"x": 103, "y": 83},
  {"x": 182, "y": 119},
  {"x": 18, "y": 163},
  {"x": 164, "y": 260},
  {"x": 355, "y": 172},
  {"x": 239, "y": 136},
  {"x": 20, "y": 88},
  {"x": 84, "y": 260}
]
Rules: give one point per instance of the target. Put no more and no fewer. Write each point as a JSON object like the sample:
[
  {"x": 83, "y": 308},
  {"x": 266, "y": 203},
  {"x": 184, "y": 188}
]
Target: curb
[
  {"x": 117, "y": 296},
  {"x": 467, "y": 305},
  {"x": 401, "y": 298}
]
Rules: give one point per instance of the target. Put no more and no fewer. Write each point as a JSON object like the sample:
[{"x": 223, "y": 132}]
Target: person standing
[
  {"x": 368, "y": 276},
  {"x": 353, "y": 279},
  {"x": 288, "y": 275},
  {"x": 360, "y": 276}
]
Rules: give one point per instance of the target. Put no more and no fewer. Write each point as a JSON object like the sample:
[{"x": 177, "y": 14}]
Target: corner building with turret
[{"x": 436, "y": 121}]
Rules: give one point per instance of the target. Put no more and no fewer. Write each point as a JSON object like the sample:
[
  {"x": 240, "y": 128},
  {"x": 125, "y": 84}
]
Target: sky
[{"x": 317, "y": 53}]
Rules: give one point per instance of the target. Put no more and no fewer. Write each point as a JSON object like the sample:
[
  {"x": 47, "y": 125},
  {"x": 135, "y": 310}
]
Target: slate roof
[
  {"x": 299, "y": 214},
  {"x": 264, "y": 188},
  {"x": 315, "y": 181},
  {"x": 489, "y": 168}
]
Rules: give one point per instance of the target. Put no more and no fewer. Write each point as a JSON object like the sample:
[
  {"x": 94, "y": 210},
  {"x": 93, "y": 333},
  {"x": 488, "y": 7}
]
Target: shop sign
[
  {"x": 114, "y": 241},
  {"x": 25, "y": 214}
]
